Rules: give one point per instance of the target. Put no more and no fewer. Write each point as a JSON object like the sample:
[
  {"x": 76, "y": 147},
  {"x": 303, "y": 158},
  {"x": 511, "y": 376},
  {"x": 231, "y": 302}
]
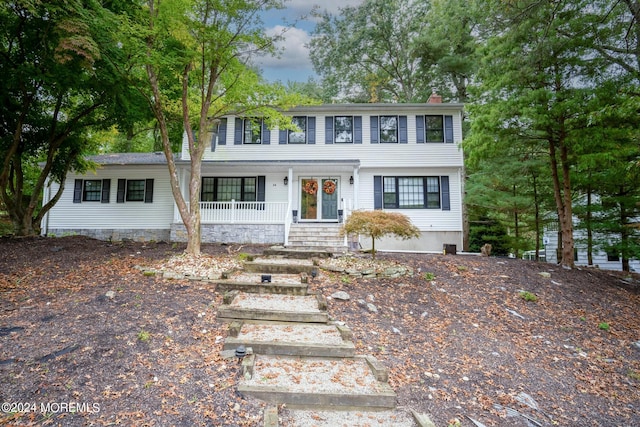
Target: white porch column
[
  {"x": 356, "y": 189},
  {"x": 290, "y": 189}
]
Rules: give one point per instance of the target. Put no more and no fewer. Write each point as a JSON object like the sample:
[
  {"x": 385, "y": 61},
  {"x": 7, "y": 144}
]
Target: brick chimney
[{"x": 434, "y": 98}]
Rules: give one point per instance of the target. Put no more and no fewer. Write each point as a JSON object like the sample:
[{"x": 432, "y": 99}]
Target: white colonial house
[{"x": 262, "y": 185}]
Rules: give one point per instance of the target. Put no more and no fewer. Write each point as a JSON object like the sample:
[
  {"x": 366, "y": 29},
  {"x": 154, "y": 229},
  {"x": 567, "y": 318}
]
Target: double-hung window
[
  {"x": 252, "y": 131},
  {"x": 222, "y": 189},
  {"x": 298, "y": 136},
  {"x": 135, "y": 190},
  {"x": 388, "y": 129},
  {"x": 92, "y": 190},
  {"x": 343, "y": 129},
  {"x": 411, "y": 192},
  {"x": 434, "y": 128}
]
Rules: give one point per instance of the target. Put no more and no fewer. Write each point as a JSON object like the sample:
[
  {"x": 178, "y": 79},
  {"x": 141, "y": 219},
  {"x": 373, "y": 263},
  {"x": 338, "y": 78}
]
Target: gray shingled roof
[{"x": 156, "y": 158}]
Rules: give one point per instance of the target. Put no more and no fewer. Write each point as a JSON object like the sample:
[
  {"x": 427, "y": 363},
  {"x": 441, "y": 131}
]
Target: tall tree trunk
[
  {"x": 537, "y": 217},
  {"x": 589, "y": 226},
  {"x": 562, "y": 195}
]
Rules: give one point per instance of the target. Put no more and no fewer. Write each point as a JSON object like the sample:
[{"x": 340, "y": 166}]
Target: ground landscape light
[
  {"x": 265, "y": 278},
  {"x": 241, "y": 351}
]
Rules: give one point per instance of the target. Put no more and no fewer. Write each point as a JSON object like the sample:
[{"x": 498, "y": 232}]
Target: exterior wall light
[
  {"x": 351, "y": 180},
  {"x": 286, "y": 180}
]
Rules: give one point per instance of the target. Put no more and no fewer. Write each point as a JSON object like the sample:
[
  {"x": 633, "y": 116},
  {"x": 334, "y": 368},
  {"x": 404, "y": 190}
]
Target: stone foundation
[
  {"x": 233, "y": 233},
  {"x": 138, "y": 235}
]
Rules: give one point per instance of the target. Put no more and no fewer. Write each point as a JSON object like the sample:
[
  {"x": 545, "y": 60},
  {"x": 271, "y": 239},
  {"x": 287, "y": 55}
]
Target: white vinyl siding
[
  {"x": 408, "y": 155},
  {"x": 424, "y": 219},
  {"x": 113, "y": 215}
]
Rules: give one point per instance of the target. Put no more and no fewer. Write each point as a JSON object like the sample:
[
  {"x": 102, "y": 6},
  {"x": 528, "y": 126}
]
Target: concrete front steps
[
  {"x": 274, "y": 307},
  {"x": 358, "y": 383},
  {"x": 316, "y": 236},
  {"x": 287, "y": 339}
]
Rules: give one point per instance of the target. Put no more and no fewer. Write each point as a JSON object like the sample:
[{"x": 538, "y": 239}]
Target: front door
[{"x": 319, "y": 199}]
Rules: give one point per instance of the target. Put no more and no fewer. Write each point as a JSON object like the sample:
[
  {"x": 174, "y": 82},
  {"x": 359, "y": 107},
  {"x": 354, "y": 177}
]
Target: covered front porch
[{"x": 258, "y": 201}]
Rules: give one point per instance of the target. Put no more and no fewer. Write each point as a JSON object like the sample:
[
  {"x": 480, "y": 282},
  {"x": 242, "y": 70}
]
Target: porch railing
[{"x": 235, "y": 212}]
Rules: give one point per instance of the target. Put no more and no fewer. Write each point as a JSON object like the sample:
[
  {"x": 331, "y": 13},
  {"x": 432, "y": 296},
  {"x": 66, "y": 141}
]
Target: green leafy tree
[
  {"x": 377, "y": 224},
  {"x": 535, "y": 83},
  {"x": 59, "y": 62},
  {"x": 447, "y": 46},
  {"x": 196, "y": 56},
  {"x": 364, "y": 55}
]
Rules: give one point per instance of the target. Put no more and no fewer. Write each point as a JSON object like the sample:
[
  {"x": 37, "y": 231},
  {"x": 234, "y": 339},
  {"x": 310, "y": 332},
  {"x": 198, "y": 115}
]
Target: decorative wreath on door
[
  {"x": 311, "y": 187},
  {"x": 329, "y": 186}
]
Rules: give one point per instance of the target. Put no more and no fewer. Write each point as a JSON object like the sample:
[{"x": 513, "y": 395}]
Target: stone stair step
[
  {"x": 318, "y": 382},
  {"x": 298, "y": 253},
  {"x": 274, "y": 307},
  {"x": 278, "y": 268},
  {"x": 311, "y": 340},
  {"x": 332, "y": 418},
  {"x": 261, "y": 288}
]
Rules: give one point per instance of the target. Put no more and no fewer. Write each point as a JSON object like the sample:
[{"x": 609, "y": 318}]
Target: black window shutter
[
  {"x": 237, "y": 135},
  {"x": 357, "y": 130},
  {"x": 222, "y": 134},
  {"x": 282, "y": 136},
  {"x": 444, "y": 189},
  {"x": 377, "y": 192},
  {"x": 266, "y": 133},
  {"x": 402, "y": 129},
  {"x": 420, "y": 129},
  {"x": 122, "y": 184},
  {"x": 148, "y": 191},
  {"x": 374, "y": 129},
  {"x": 77, "y": 191},
  {"x": 328, "y": 130},
  {"x": 106, "y": 189},
  {"x": 448, "y": 129},
  {"x": 311, "y": 130}
]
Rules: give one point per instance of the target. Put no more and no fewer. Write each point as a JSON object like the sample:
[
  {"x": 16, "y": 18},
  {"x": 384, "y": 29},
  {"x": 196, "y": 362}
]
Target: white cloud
[
  {"x": 294, "y": 62},
  {"x": 295, "y": 54}
]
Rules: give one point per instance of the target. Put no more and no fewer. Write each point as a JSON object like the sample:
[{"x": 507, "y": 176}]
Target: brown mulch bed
[{"x": 87, "y": 339}]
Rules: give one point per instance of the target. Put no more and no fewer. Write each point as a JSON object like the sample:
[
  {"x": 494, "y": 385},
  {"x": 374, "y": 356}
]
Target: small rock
[
  {"x": 424, "y": 314},
  {"x": 341, "y": 295},
  {"x": 545, "y": 274},
  {"x": 465, "y": 378},
  {"x": 636, "y": 345},
  {"x": 371, "y": 298},
  {"x": 110, "y": 294},
  {"x": 396, "y": 330},
  {"x": 372, "y": 308}
]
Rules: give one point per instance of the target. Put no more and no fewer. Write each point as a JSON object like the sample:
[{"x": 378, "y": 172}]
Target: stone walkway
[{"x": 297, "y": 356}]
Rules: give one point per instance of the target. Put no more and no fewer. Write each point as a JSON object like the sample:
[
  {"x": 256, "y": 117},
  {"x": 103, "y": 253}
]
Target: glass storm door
[{"x": 319, "y": 199}]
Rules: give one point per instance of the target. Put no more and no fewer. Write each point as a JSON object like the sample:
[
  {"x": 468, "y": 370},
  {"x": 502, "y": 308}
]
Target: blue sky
[{"x": 294, "y": 63}]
